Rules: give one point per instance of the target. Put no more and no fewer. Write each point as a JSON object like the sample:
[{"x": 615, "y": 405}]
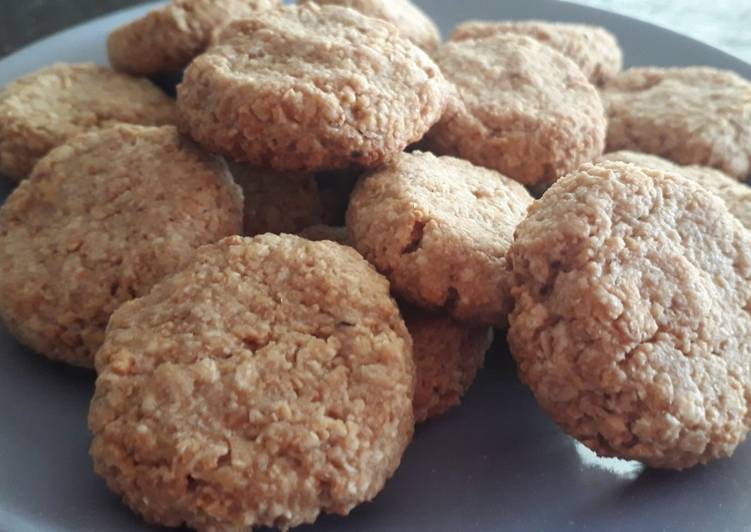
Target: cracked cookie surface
[
  {"x": 311, "y": 88},
  {"x": 439, "y": 229},
  {"x": 269, "y": 380},
  {"x": 411, "y": 21},
  {"x": 594, "y": 49},
  {"x": 168, "y": 38},
  {"x": 690, "y": 115},
  {"x": 101, "y": 219},
  {"x": 45, "y": 108},
  {"x": 736, "y": 195},
  {"x": 519, "y": 107},
  {"x": 631, "y": 320}
]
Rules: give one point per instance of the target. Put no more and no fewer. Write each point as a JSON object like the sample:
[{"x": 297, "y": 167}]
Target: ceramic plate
[{"x": 497, "y": 462}]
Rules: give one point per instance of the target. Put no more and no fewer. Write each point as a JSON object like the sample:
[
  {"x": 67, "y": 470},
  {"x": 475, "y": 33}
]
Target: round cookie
[
  {"x": 593, "y": 48},
  {"x": 631, "y": 322},
  {"x": 439, "y": 229},
  {"x": 447, "y": 355},
  {"x": 690, "y": 115},
  {"x": 305, "y": 88},
  {"x": 737, "y": 196},
  {"x": 411, "y": 21},
  {"x": 45, "y": 108},
  {"x": 100, "y": 220},
  {"x": 277, "y": 202},
  {"x": 520, "y": 107},
  {"x": 169, "y": 37},
  {"x": 268, "y": 381},
  {"x": 327, "y": 232}
]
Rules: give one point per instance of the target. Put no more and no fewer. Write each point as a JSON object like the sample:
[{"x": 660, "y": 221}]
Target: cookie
[
  {"x": 169, "y": 37},
  {"x": 631, "y": 322},
  {"x": 306, "y": 88},
  {"x": 593, "y": 48},
  {"x": 269, "y": 380},
  {"x": 520, "y": 107},
  {"x": 439, "y": 229},
  {"x": 411, "y": 21},
  {"x": 100, "y": 220},
  {"x": 327, "y": 232},
  {"x": 448, "y": 355},
  {"x": 690, "y": 115},
  {"x": 737, "y": 196},
  {"x": 45, "y": 108},
  {"x": 277, "y": 202}
]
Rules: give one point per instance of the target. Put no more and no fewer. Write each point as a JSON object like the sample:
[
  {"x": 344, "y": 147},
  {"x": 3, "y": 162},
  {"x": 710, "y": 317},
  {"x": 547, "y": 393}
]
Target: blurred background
[{"x": 724, "y": 24}]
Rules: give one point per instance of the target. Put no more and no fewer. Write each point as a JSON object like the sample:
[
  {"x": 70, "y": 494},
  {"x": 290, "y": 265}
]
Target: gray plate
[{"x": 495, "y": 463}]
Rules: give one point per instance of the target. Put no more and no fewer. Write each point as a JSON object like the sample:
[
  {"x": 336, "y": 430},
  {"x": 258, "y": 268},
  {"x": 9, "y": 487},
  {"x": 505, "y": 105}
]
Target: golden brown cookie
[
  {"x": 439, "y": 229},
  {"x": 593, "y": 48},
  {"x": 520, "y": 107},
  {"x": 631, "y": 322},
  {"x": 448, "y": 355},
  {"x": 100, "y": 220},
  {"x": 305, "y": 88},
  {"x": 411, "y": 21},
  {"x": 327, "y": 232},
  {"x": 277, "y": 202},
  {"x": 269, "y": 380},
  {"x": 45, "y": 108},
  {"x": 690, "y": 115},
  {"x": 169, "y": 37},
  {"x": 737, "y": 196}
]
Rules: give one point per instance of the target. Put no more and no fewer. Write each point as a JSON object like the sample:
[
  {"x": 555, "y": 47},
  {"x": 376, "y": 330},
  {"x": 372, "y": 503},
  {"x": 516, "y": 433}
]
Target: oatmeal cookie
[
  {"x": 100, "y": 220},
  {"x": 269, "y": 380},
  {"x": 737, "y": 196},
  {"x": 690, "y": 115},
  {"x": 411, "y": 21},
  {"x": 520, "y": 107},
  {"x": 439, "y": 229},
  {"x": 448, "y": 355},
  {"x": 277, "y": 202},
  {"x": 631, "y": 320},
  {"x": 306, "y": 88},
  {"x": 168, "y": 38},
  {"x": 593, "y": 48},
  {"x": 45, "y": 108}
]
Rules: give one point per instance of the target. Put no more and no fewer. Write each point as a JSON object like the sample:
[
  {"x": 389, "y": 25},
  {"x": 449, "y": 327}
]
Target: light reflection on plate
[{"x": 623, "y": 469}]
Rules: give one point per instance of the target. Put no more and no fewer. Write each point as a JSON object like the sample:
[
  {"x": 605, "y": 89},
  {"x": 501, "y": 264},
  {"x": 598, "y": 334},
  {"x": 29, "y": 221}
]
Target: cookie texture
[
  {"x": 327, "y": 232},
  {"x": 269, "y": 380},
  {"x": 690, "y": 115},
  {"x": 277, "y": 202},
  {"x": 593, "y": 48},
  {"x": 520, "y": 107},
  {"x": 45, "y": 108},
  {"x": 411, "y": 21},
  {"x": 168, "y": 38},
  {"x": 448, "y": 355},
  {"x": 737, "y": 196},
  {"x": 101, "y": 219},
  {"x": 631, "y": 319},
  {"x": 439, "y": 229},
  {"x": 311, "y": 88}
]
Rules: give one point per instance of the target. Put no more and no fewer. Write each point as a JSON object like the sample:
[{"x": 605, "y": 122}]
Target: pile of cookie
[{"x": 276, "y": 275}]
